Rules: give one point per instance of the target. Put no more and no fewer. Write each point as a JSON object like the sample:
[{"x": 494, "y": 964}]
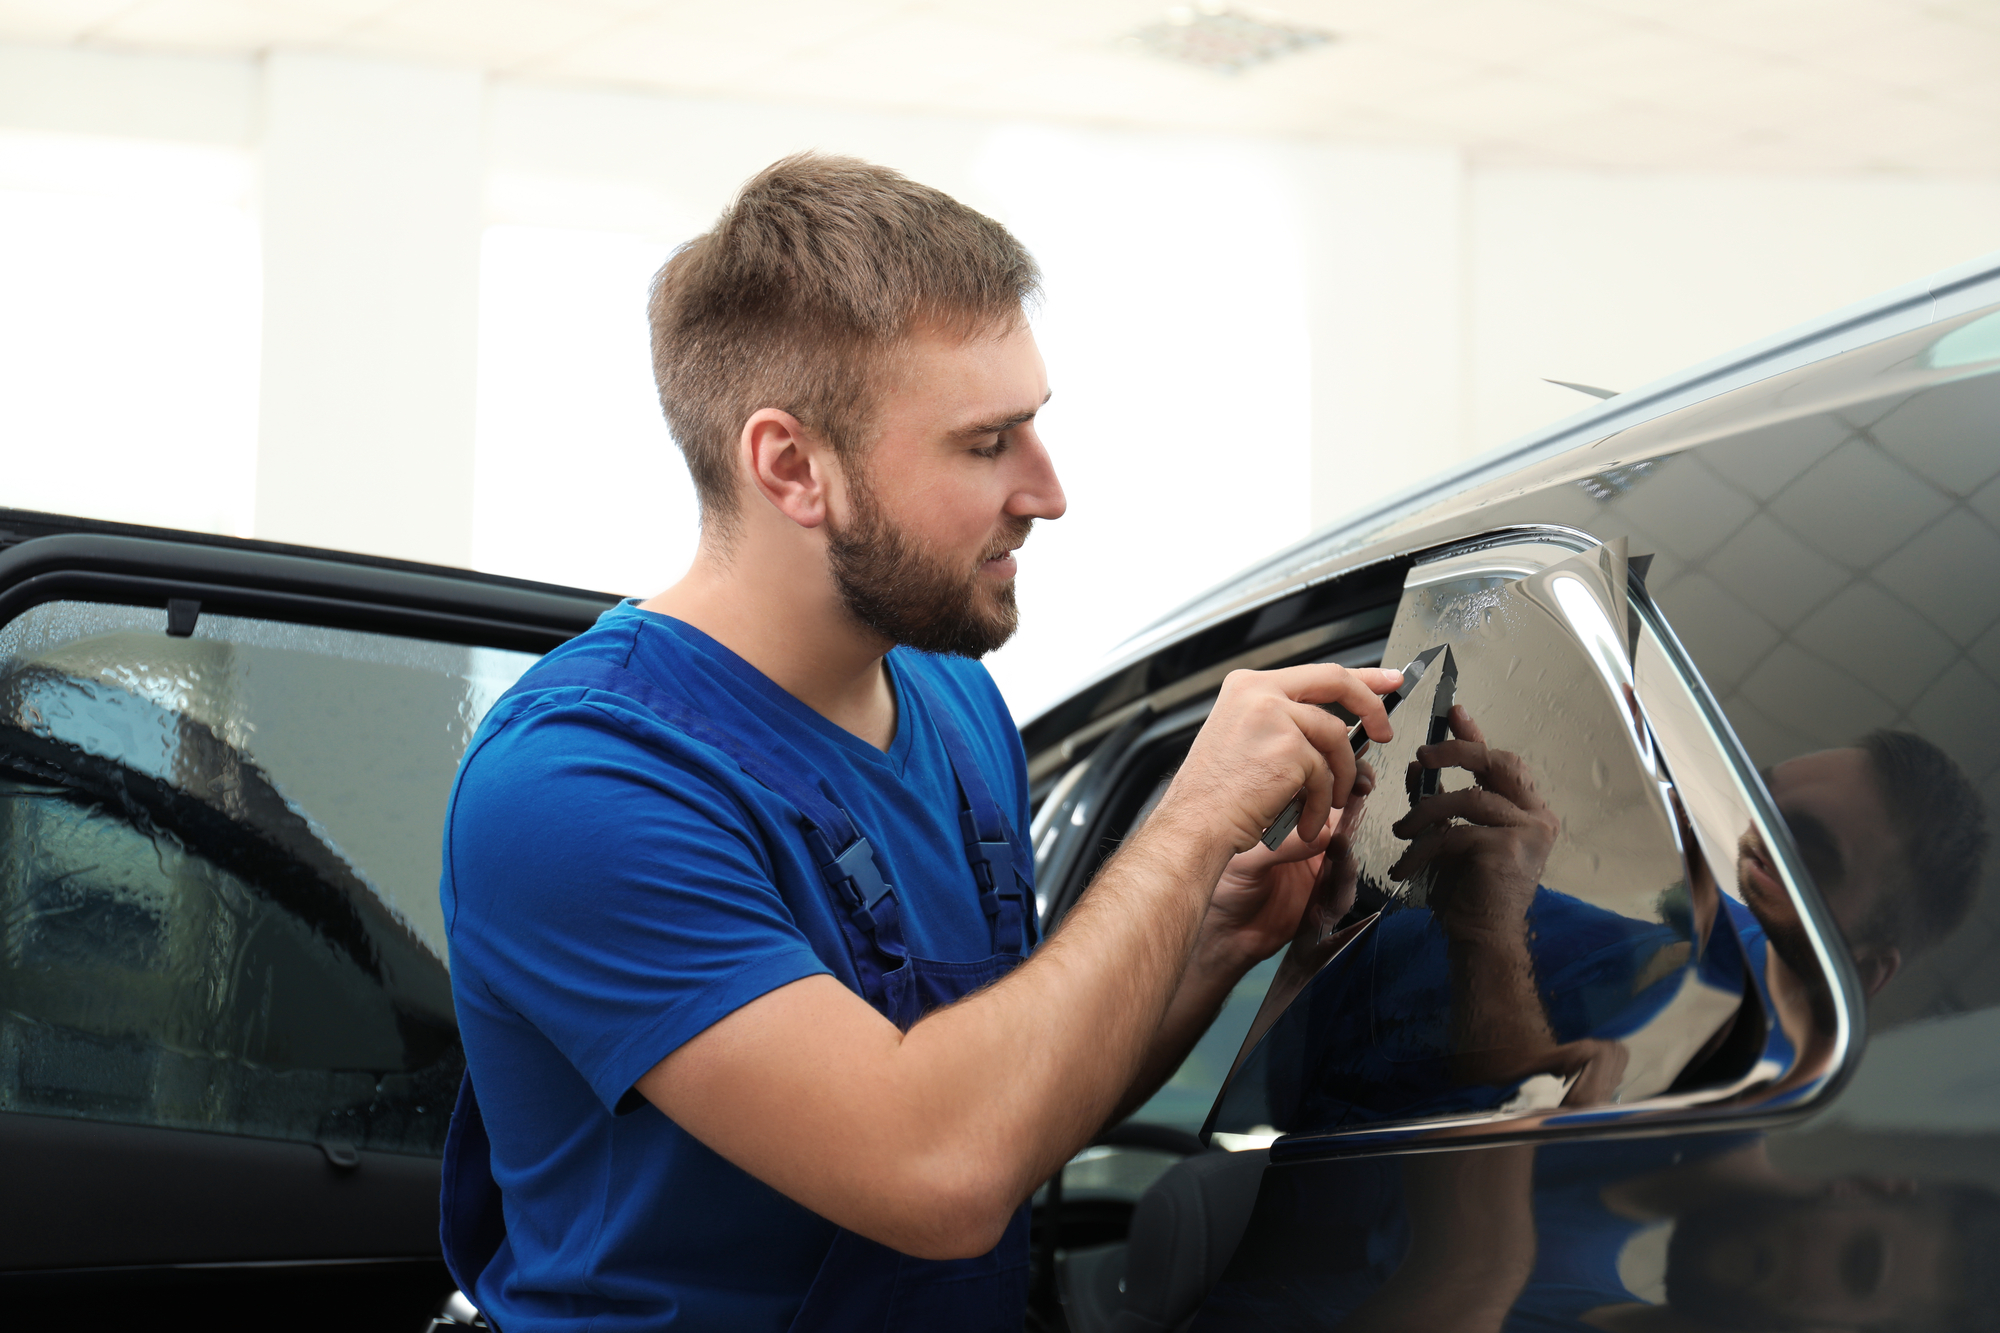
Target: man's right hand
[{"x": 1267, "y": 738}]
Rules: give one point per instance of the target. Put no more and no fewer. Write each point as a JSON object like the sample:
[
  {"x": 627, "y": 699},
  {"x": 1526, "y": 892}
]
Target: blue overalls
[{"x": 861, "y": 1284}]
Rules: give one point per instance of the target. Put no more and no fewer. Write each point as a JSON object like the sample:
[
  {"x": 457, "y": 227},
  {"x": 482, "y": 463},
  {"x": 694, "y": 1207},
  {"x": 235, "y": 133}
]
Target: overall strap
[
  {"x": 870, "y": 919},
  {"x": 999, "y": 862}
]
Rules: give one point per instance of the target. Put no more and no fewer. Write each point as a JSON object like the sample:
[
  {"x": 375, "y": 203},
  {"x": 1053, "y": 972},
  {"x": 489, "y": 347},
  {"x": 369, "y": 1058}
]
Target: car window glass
[
  {"x": 1183, "y": 1101},
  {"x": 1851, "y": 617},
  {"x": 1829, "y": 571},
  {"x": 1138, "y": 764},
  {"x": 1513, "y": 928},
  {"x": 218, "y": 867}
]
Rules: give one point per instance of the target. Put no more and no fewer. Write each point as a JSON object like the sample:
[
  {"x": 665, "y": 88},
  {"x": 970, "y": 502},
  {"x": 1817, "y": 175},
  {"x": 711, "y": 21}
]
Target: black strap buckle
[{"x": 857, "y": 869}]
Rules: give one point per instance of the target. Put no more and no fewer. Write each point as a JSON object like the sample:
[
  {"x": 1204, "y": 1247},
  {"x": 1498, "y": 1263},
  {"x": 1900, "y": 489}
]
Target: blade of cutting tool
[
  {"x": 1440, "y": 722},
  {"x": 1357, "y": 736}
]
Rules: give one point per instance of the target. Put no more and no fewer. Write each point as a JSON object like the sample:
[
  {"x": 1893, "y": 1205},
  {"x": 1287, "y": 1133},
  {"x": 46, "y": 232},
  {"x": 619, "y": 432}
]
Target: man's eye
[{"x": 993, "y": 450}]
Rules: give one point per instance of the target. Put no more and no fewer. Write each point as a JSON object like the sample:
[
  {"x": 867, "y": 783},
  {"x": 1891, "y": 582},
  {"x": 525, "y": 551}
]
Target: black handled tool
[
  {"x": 1427, "y": 785},
  {"x": 1288, "y": 818}
]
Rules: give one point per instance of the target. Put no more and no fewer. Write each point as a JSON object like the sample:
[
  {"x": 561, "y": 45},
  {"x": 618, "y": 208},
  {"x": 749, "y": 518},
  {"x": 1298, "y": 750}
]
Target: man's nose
[{"x": 1037, "y": 493}]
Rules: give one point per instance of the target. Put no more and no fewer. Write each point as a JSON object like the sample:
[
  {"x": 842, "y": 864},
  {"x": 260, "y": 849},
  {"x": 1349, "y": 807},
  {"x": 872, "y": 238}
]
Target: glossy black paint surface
[{"x": 1731, "y": 1231}]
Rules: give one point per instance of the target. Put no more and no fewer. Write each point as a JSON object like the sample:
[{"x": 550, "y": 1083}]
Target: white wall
[
  {"x": 1385, "y": 254},
  {"x": 1618, "y": 279},
  {"x": 372, "y": 205},
  {"x": 129, "y": 281},
  {"x": 1247, "y": 337}
]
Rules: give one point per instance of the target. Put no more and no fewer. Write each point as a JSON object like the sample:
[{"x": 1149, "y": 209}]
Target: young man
[{"x": 736, "y": 882}]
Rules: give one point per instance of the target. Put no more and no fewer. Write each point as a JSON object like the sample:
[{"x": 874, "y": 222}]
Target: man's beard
[{"x": 908, "y": 595}]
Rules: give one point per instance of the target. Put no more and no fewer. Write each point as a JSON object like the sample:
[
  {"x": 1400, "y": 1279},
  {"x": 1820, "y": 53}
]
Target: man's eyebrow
[{"x": 998, "y": 427}]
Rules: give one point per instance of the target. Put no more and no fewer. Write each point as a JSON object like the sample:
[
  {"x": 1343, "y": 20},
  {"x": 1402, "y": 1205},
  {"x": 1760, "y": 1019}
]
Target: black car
[{"x": 226, "y": 1045}]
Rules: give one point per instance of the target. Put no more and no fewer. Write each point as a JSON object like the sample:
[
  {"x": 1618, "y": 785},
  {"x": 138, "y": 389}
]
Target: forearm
[
  {"x": 927, "y": 1140},
  {"x": 1499, "y": 1029},
  {"x": 1105, "y": 1006},
  {"x": 1212, "y": 973}
]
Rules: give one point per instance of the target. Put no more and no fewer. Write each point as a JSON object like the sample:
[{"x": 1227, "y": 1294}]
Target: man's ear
[
  {"x": 789, "y": 467},
  {"x": 1878, "y": 965}
]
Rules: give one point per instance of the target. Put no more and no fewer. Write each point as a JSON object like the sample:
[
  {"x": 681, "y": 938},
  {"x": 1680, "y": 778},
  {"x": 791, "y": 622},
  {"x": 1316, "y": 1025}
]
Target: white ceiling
[{"x": 1907, "y": 86}]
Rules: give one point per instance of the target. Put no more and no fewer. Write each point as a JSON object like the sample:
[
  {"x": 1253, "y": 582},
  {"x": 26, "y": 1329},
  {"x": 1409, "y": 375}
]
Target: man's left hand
[{"x": 1258, "y": 902}]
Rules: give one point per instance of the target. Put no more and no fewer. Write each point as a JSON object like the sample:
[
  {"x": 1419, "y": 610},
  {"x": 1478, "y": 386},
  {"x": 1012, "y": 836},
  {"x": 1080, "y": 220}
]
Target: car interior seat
[{"x": 1184, "y": 1230}]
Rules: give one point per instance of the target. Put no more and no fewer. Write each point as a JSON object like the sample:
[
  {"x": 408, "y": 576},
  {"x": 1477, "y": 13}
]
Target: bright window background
[
  {"x": 1175, "y": 331},
  {"x": 129, "y": 324},
  {"x": 576, "y": 479}
]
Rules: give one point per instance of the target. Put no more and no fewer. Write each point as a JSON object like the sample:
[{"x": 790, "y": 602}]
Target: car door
[{"x": 227, "y": 1051}]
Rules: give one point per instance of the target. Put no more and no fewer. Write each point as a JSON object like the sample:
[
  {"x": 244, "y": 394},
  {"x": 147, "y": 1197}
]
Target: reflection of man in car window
[
  {"x": 1893, "y": 833},
  {"x": 1699, "y": 1234},
  {"x": 1686, "y": 1234},
  {"x": 1496, "y": 980},
  {"x": 1504, "y": 979}
]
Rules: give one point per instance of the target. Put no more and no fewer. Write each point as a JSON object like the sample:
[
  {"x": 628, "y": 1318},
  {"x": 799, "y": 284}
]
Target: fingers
[
  {"x": 1444, "y": 843},
  {"x": 1500, "y": 771},
  {"x": 1507, "y": 775},
  {"x": 1485, "y": 808},
  {"x": 1330, "y": 783},
  {"x": 1267, "y": 739},
  {"x": 1295, "y": 847},
  {"x": 1364, "y": 783},
  {"x": 1340, "y": 837},
  {"x": 1471, "y": 756},
  {"x": 1358, "y": 689}
]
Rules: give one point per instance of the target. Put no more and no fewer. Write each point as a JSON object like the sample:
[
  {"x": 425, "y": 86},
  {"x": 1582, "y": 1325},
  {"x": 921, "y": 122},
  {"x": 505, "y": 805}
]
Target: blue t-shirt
[
  {"x": 611, "y": 888},
  {"x": 1371, "y": 1039}
]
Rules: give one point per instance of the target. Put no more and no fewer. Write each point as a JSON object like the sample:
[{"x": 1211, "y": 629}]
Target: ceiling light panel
[{"x": 1223, "y": 40}]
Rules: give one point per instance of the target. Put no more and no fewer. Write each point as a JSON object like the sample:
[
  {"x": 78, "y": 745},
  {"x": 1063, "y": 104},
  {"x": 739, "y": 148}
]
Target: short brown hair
[
  {"x": 1941, "y": 820},
  {"x": 820, "y": 267}
]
